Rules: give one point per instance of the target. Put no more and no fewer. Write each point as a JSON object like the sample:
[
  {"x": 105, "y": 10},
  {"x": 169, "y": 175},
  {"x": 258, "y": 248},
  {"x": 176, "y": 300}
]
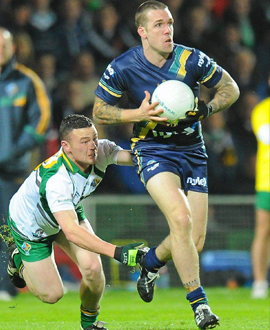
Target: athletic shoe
[
  {"x": 98, "y": 325},
  {"x": 12, "y": 269},
  {"x": 146, "y": 282},
  {"x": 204, "y": 317},
  {"x": 259, "y": 290}
]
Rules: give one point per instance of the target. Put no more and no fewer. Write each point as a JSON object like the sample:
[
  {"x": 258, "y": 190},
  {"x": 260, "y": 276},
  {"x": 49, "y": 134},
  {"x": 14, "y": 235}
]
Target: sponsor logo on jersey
[
  {"x": 164, "y": 135},
  {"x": 110, "y": 70},
  {"x": 64, "y": 200},
  {"x": 197, "y": 181},
  {"x": 26, "y": 248},
  {"x": 152, "y": 168}
]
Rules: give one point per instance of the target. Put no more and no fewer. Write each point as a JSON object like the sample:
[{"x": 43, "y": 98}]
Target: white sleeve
[
  {"x": 107, "y": 152},
  {"x": 59, "y": 194}
]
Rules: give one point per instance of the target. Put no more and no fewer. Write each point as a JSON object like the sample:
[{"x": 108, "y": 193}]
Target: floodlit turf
[{"x": 124, "y": 310}]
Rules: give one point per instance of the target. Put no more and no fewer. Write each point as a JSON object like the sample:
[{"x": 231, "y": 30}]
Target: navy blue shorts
[{"x": 189, "y": 164}]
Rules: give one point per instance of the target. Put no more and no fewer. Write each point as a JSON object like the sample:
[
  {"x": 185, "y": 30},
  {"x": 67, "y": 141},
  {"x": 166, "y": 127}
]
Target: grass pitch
[{"x": 124, "y": 310}]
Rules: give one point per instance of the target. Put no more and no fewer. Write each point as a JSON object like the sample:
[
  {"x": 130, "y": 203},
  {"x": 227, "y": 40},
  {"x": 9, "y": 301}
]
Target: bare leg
[
  {"x": 43, "y": 280},
  {"x": 89, "y": 264},
  {"x": 261, "y": 245},
  {"x": 199, "y": 209},
  {"x": 165, "y": 190}
]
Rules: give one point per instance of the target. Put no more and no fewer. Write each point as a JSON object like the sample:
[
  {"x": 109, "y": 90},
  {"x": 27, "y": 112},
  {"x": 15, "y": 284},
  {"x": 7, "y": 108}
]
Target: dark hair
[
  {"x": 73, "y": 122},
  {"x": 140, "y": 16}
]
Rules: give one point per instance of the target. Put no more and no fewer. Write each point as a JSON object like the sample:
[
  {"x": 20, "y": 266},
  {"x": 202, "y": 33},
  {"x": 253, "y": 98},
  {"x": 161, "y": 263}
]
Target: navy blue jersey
[{"x": 133, "y": 73}]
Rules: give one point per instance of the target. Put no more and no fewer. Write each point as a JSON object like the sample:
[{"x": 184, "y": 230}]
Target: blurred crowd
[{"x": 69, "y": 43}]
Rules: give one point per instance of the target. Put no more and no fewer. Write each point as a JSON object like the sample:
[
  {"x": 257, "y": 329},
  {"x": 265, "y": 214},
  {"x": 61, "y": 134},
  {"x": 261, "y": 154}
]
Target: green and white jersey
[{"x": 57, "y": 185}]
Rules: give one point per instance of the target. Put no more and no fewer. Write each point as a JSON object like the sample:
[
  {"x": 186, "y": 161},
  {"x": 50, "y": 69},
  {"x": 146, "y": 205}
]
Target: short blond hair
[{"x": 140, "y": 16}]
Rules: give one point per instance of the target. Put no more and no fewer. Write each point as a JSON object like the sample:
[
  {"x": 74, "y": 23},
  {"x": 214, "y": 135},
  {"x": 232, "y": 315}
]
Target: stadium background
[{"x": 70, "y": 42}]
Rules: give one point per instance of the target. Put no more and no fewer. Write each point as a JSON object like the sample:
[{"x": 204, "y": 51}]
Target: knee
[
  {"x": 181, "y": 224},
  {"x": 51, "y": 297},
  {"x": 92, "y": 271}
]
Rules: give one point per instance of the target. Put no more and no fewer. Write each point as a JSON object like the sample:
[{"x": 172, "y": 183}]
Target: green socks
[{"x": 88, "y": 316}]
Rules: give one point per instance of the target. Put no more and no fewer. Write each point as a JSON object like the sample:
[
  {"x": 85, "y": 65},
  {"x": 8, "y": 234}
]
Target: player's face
[
  {"x": 82, "y": 147},
  {"x": 6, "y": 47},
  {"x": 159, "y": 31}
]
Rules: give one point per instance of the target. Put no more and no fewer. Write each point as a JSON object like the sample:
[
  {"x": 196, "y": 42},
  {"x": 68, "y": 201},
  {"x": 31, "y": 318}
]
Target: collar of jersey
[
  {"x": 165, "y": 66},
  {"x": 73, "y": 168}
]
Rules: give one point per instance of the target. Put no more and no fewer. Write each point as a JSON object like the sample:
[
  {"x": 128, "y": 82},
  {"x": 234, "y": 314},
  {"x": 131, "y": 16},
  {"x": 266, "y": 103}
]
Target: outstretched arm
[
  {"x": 106, "y": 114},
  {"x": 68, "y": 221},
  {"x": 124, "y": 158},
  {"x": 78, "y": 235}
]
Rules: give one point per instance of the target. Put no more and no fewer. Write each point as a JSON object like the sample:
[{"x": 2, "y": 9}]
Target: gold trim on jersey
[
  {"x": 107, "y": 90},
  {"x": 66, "y": 159},
  {"x": 134, "y": 140},
  {"x": 211, "y": 75},
  {"x": 42, "y": 98},
  {"x": 183, "y": 60}
]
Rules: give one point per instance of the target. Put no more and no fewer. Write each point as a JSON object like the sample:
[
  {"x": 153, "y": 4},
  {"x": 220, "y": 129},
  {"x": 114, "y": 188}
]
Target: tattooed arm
[
  {"x": 106, "y": 114},
  {"x": 227, "y": 92}
]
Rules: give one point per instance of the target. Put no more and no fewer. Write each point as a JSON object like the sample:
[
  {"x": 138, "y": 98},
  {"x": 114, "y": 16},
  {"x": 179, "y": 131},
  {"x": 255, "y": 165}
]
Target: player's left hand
[
  {"x": 129, "y": 254},
  {"x": 200, "y": 111}
]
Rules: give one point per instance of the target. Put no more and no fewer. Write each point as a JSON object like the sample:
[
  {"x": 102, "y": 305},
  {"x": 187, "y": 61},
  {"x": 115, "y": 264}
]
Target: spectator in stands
[
  {"x": 222, "y": 155},
  {"x": 198, "y": 29},
  {"x": 46, "y": 69},
  {"x": 25, "y": 53},
  {"x": 18, "y": 20},
  {"x": 238, "y": 121},
  {"x": 76, "y": 33},
  {"x": 261, "y": 242},
  {"x": 84, "y": 72},
  {"x": 41, "y": 26},
  {"x": 110, "y": 30},
  {"x": 239, "y": 12},
  {"x": 24, "y": 119},
  {"x": 244, "y": 66},
  {"x": 226, "y": 51}
]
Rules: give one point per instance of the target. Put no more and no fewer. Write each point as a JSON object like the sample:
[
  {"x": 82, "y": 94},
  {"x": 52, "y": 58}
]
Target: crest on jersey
[
  {"x": 26, "y": 248},
  {"x": 94, "y": 183},
  {"x": 11, "y": 89}
]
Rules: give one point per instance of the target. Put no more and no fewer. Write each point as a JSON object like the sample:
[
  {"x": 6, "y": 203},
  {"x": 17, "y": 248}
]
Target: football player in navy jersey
[{"x": 171, "y": 160}]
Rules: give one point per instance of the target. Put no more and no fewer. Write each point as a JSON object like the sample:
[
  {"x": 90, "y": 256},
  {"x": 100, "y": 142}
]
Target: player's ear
[
  {"x": 142, "y": 32},
  {"x": 65, "y": 145}
]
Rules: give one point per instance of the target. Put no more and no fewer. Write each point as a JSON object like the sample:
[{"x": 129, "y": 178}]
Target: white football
[{"x": 175, "y": 98}]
